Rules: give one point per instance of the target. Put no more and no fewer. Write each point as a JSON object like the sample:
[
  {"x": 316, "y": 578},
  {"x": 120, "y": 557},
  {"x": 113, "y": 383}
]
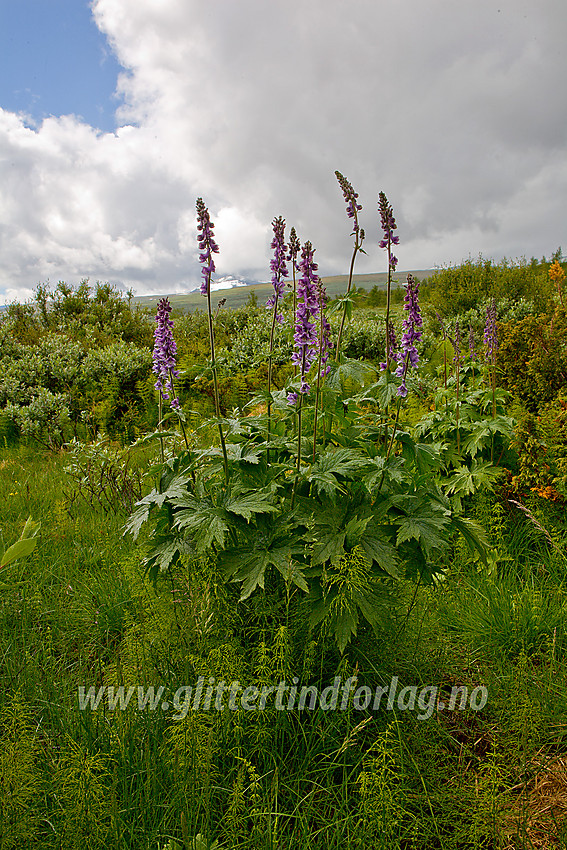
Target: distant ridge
[{"x": 238, "y": 290}]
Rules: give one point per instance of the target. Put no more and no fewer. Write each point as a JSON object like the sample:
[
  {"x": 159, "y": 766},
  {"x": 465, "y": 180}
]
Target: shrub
[
  {"x": 455, "y": 289},
  {"x": 532, "y": 358}
]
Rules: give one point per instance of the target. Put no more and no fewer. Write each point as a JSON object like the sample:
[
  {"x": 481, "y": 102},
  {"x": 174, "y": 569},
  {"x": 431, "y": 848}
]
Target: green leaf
[
  {"x": 378, "y": 548},
  {"x": 474, "y": 535},
  {"x": 288, "y": 568},
  {"x": 354, "y": 371},
  {"x": 134, "y": 523},
  {"x": 20, "y": 549},
  {"x": 31, "y": 529},
  {"x": 345, "y": 623},
  {"x": 246, "y": 504},
  {"x": 355, "y": 530},
  {"x": 373, "y": 608},
  {"x": 465, "y": 481},
  {"x": 325, "y": 482},
  {"x": 383, "y": 392},
  {"x": 424, "y": 522},
  {"x": 207, "y": 525},
  {"x": 251, "y": 571},
  {"x": 162, "y": 557},
  {"x": 478, "y": 438}
]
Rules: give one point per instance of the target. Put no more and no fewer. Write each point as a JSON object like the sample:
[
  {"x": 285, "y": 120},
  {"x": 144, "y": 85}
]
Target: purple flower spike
[
  {"x": 292, "y": 398},
  {"x": 305, "y": 337},
  {"x": 278, "y": 264},
  {"x": 490, "y": 333},
  {"x": 472, "y": 350},
  {"x": 412, "y": 325},
  {"x": 294, "y": 248},
  {"x": 350, "y": 196},
  {"x": 388, "y": 226},
  {"x": 164, "y": 353},
  {"x": 458, "y": 358},
  {"x": 207, "y": 244}
]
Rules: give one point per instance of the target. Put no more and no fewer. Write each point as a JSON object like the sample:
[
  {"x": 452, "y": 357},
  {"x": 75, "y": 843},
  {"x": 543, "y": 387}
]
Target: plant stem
[
  {"x": 318, "y": 389},
  {"x": 270, "y": 369},
  {"x": 160, "y": 428},
  {"x": 458, "y": 371},
  {"x": 357, "y": 246},
  {"x": 388, "y": 289},
  {"x": 298, "y": 465},
  {"x": 215, "y": 379}
]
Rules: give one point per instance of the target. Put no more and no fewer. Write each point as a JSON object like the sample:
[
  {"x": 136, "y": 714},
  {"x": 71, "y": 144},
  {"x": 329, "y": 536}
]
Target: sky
[{"x": 116, "y": 115}]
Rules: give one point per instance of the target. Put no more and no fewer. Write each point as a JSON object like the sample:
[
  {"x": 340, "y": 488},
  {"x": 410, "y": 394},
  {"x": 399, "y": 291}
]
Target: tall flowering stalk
[
  {"x": 305, "y": 336},
  {"x": 294, "y": 249},
  {"x": 324, "y": 349},
  {"x": 208, "y": 247},
  {"x": 472, "y": 349},
  {"x": 408, "y": 356},
  {"x": 164, "y": 354},
  {"x": 306, "y": 340},
  {"x": 279, "y": 273},
  {"x": 389, "y": 238},
  {"x": 412, "y": 332},
  {"x": 457, "y": 360},
  {"x": 278, "y": 265},
  {"x": 491, "y": 347},
  {"x": 353, "y": 208}
]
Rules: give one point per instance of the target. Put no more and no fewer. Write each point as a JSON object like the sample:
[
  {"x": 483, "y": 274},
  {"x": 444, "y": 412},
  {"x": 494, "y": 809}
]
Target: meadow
[{"x": 291, "y": 598}]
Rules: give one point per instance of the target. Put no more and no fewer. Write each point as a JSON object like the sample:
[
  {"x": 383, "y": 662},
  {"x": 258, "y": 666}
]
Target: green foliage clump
[
  {"x": 49, "y": 387},
  {"x": 456, "y": 289},
  {"x": 94, "y": 315},
  {"x": 85, "y": 797},
  {"x": 20, "y": 776},
  {"x": 532, "y": 357},
  {"x": 541, "y": 444},
  {"x": 364, "y": 338}
]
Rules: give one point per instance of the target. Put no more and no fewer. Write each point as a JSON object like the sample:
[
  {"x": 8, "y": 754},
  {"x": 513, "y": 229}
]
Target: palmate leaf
[
  {"x": 384, "y": 471},
  {"x": 243, "y": 452},
  {"x": 344, "y": 624},
  {"x": 426, "y": 456},
  {"x": 466, "y": 481},
  {"x": 251, "y": 570},
  {"x": 326, "y": 530},
  {"x": 372, "y": 607},
  {"x": 206, "y": 523},
  {"x": 135, "y": 521},
  {"x": 328, "y": 544},
  {"x": 424, "y": 521},
  {"x": 267, "y": 543},
  {"x": 474, "y": 535},
  {"x": 382, "y": 393},
  {"x": 355, "y": 530},
  {"x": 354, "y": 371},
  {"x": 380, "y": 550},
  {"x": 248, "y": 564},
  {"x": 478, "y": 438},
  {"x": 162, "y": 557},
  {"x": 246, "y": 503},
  {"x": 335, "y": 462}
]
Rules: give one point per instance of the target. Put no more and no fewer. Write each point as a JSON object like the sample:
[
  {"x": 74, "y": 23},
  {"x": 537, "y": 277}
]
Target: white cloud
[{"x": 455, "y": 110}]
